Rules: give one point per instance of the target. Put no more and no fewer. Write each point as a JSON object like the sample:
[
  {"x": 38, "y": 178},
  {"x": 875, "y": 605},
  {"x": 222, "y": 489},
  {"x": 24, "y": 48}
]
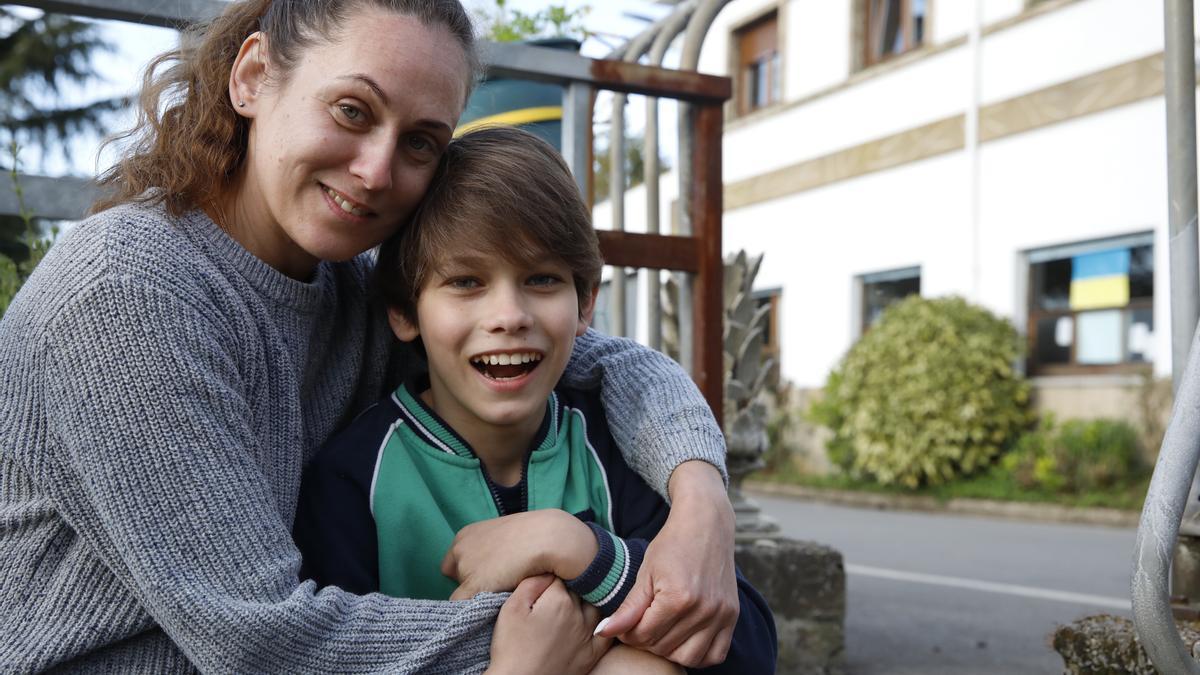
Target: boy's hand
[
  {"x": 685, "y": 602},
  {"x": 544, "y": 628},
  {"x": 495, "y": 555}
]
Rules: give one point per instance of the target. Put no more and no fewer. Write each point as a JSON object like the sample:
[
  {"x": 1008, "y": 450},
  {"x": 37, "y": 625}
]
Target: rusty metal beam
[
  {"x": 634, "y": 78},
  {"x": 650, "y": 251},
  {"x": 173, "y": 14},
  {"x": 554, "y": 65},
  {"x": 708, "y": 357}
]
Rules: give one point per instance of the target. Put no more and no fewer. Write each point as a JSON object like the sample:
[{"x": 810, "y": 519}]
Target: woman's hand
[
  {"x": 685, "y": 602},
  {"x": 496, "y": 554},
  {"x": 544, "y": 628}
]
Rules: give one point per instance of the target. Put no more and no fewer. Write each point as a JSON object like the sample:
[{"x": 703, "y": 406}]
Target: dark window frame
[
  {"x": 912, "y": 30},
  {"x": 774, "y": 297},
  {"x": 1037, "y": 314},
  {"x": 865, "y": 281},
  {"x": 757, "y": 58}
]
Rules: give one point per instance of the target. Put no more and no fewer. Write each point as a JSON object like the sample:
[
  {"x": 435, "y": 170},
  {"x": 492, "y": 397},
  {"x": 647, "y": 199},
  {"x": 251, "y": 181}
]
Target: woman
[{"x": 178, "y": 356}]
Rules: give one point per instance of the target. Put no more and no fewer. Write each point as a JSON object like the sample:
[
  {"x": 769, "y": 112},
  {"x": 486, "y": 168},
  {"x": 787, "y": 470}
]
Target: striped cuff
[{"x": 613, "y": 571}]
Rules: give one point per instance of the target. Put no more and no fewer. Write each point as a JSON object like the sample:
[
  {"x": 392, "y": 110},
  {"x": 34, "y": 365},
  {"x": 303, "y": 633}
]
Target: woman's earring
[{"x": 241, "y": 104}]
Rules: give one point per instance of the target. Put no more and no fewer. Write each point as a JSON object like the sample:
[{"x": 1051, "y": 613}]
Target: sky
[{"x": 136, "y": 45}]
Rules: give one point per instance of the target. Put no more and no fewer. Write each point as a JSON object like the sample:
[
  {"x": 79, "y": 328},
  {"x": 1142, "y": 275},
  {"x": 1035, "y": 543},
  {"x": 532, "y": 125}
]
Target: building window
[
  {"x": 892, "y": 27},
  {"x": 770, "y": 297},
  {"x": 881, "y": 290},
  {"x": 758, "y": 64},
  {"x": 1091, "y": 306}
]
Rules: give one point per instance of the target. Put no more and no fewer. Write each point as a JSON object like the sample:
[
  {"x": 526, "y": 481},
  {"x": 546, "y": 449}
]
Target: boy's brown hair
[{"x": 504, "y": 192}]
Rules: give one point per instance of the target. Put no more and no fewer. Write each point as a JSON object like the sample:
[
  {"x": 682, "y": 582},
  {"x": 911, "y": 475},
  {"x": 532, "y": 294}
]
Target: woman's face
[{"x": 340, "y": 154}]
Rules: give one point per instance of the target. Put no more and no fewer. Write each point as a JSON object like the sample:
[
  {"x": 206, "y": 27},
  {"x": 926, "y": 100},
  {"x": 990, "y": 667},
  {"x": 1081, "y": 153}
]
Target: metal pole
[
  {"x": 659, "y": 35},
  {"x": 971, "y": 141},
  {"x": 1185, "y": 281},
  {"x": 576, "y": 132},
  {"x": 616, "y": 202},
  {"x": 667, "y": 34},
  {"x": 1169, "y": 500},
  {"x": 1181, "y": 180}
]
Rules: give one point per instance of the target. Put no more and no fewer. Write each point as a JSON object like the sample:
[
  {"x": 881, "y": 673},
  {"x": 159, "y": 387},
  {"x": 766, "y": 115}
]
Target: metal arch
[
  {"x": 1159, "y": 527},
  {"x": 633, "y": 52},
  {"x": 697, "y": 29},
  {"x": 675, "y": 24},
  {"x": 1168, "y": 500}
]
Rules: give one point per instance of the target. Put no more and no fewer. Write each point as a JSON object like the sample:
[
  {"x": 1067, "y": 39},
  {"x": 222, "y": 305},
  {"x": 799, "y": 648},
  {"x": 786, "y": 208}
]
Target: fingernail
[{"x": 602, "y": 625}]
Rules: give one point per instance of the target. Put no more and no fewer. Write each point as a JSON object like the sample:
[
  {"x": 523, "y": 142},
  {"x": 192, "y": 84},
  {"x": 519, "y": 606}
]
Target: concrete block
[
  {"x": 805, "y": 584},
  {"x": 1109, "y": 644}
]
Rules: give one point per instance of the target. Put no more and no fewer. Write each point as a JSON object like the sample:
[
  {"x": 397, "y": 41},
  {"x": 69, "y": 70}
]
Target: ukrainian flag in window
[{"x": 1100, "y": 280}]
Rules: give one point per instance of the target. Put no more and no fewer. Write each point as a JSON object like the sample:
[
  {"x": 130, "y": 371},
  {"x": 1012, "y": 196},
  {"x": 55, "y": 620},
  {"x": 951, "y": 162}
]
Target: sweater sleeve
[
  {"x": 169, "y": 488},
  {"x": 655, "y": 412}
]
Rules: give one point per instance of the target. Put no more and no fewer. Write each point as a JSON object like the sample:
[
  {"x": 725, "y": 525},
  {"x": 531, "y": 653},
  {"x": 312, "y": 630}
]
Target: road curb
[{"x": 1044, "y": 513}]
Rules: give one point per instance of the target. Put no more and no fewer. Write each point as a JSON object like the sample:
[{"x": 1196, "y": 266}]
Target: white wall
[
  {"x": 950, "y": 19},
  {"x": 816, "y": 45},
  {"x": 876, "y": 108},
  {"x": 1078, "y": 39},
  {"x": 1091, "y": 177},
  {"x": 817, "y": 241}
]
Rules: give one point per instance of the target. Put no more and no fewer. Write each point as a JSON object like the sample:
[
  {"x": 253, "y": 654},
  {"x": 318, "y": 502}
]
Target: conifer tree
[{"x": 39, "y": 57}]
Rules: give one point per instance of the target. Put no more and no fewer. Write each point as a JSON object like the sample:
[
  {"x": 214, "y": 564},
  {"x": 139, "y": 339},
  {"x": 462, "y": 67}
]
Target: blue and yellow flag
[{"x": 1100, "y": 279}]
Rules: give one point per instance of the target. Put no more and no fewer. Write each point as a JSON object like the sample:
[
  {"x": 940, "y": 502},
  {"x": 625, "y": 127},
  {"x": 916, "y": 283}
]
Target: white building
[{"x": 850, "y": 160}]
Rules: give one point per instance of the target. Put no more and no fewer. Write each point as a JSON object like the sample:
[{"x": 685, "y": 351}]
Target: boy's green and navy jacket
[{"x": 380, "y": 505}]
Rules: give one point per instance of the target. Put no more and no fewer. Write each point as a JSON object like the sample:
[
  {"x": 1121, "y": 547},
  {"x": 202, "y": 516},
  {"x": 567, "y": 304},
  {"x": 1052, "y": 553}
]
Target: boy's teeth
[{"x": 507, "y": 359}]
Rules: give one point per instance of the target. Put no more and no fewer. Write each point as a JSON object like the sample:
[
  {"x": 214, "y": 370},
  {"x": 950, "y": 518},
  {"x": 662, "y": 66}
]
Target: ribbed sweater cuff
[
  {"x": 613, "y": 571},
  {"x": 684, "y": 443}
]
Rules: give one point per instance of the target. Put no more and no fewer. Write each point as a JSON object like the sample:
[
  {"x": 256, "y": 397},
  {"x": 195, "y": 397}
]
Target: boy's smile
[
  {"x": 498, "y": 336},
  {"x": 506, "y": 365}
]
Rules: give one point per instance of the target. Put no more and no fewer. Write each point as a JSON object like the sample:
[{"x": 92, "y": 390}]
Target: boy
[{"x": 494, "y": 278}]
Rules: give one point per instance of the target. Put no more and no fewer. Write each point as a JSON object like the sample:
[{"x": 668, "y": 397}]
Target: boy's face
[{"x": 498, "y": 337}]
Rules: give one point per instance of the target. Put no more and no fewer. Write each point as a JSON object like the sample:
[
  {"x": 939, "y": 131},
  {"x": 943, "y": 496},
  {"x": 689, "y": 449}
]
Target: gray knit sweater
[{"x": 160, "y": 391}]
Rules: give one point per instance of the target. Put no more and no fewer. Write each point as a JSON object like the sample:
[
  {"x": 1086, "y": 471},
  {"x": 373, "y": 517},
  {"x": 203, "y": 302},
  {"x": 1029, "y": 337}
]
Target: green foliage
[
  {"x": 635, "y": 166},
  {"x": 1153, "y": 407},
  {"x": 21, "y": 249},
  {"x": 502, "y": 24},
  {"x": 929, "y": 394},
  {"x": 38, "y": 56},
  {"x": 1077, "y": 457},
  {"x": 782, "y": 418},
  {"x": 14, "y": 274}
]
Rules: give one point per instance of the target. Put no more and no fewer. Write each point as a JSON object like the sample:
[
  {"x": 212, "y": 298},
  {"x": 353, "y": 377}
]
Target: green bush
[
  {"x": 1078, "y": 456},
  {"x": 13, "y": 274},
  {"x": 927, "y": 395}
]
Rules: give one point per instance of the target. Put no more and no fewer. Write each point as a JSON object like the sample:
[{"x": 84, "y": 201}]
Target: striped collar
[{"x": 436, "y": 433}]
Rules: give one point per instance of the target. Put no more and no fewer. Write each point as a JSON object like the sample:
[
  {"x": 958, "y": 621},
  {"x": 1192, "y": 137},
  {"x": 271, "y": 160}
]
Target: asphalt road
[{"x": 932, "y": 593}]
